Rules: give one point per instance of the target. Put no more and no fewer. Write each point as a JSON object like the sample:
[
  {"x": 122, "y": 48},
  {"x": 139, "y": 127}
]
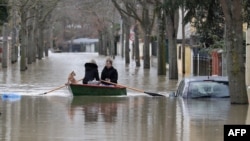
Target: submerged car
[{"x": 203, "y": 86}]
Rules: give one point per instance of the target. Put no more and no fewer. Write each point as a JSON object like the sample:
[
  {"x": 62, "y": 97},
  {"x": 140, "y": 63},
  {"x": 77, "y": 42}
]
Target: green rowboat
[{"x": 96, "y": 90}]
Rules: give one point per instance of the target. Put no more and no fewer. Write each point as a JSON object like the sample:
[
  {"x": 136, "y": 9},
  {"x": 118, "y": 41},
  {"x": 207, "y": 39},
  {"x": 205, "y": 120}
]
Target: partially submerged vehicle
[{"x": 203, "y": 86}]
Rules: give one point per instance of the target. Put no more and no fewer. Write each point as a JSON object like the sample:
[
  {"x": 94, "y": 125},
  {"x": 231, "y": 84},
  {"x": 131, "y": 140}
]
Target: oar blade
[
  {"x": 153, "y": 94},
  {"x": 43, "y": 93}
]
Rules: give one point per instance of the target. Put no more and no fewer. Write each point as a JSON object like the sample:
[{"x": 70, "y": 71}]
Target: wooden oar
[
  {"x": 135, "y": 89},
  {"x": 56, "y": 88}
]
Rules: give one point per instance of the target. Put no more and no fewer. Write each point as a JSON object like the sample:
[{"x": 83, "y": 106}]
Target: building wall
[{"x": 188, "y": 59}]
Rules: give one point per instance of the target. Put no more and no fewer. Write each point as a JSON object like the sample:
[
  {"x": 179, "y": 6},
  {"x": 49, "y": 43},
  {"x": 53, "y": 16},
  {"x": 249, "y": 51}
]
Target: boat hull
[{"x": 96, "y": 90}]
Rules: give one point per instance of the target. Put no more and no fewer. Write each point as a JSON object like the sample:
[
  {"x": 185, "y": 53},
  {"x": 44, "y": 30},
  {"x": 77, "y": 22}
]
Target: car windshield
[{"x": 208, "y": 89}]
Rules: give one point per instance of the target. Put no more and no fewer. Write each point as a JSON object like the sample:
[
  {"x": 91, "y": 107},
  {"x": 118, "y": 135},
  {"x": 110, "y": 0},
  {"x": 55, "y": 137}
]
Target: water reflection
[
  {"x": 136, "y": 118},
  {"x": 147, "y": 118},
  {"x": 205, "y": 117},
  {"x": 96, "y": 109}
]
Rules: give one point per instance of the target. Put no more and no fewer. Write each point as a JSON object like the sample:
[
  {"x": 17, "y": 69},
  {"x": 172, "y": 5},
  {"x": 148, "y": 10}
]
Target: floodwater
[{"x": 57, "y": 116}]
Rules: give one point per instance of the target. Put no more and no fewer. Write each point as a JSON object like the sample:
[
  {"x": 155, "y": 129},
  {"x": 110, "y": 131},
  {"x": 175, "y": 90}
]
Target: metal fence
[{"x": 202, "y": 65}]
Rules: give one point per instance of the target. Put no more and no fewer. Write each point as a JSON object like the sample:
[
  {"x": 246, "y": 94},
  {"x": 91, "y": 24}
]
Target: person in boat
[
  {"x": 109, "y": 73},
  {"x": 91, "y": 73}
]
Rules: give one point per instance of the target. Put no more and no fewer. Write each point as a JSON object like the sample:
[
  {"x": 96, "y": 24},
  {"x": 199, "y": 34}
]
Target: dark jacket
[
  {"x": 91, "y": 73},
  {"x": 109, "y": 73}
]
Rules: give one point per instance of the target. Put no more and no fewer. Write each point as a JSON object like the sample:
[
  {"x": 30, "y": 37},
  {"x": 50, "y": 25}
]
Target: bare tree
[
  {"x": 13, "y": 20},
  {"x": 28, "y": 11},
  {"x": 172, "y": 16},
  {"x": 23, "y": 7},
  {"x": 136, "y": 45},
  {"x": 45, "y": 8},
  {"x": 126, "y": 21},
  {"x": 143, "y": 12},
  {"x": 161, "y": 37},
  {"x": 4, "y": 47}
]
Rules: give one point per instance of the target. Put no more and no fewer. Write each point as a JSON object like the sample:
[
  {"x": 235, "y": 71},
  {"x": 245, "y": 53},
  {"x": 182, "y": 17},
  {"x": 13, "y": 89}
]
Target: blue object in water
[{"x": 11, "y": 97}]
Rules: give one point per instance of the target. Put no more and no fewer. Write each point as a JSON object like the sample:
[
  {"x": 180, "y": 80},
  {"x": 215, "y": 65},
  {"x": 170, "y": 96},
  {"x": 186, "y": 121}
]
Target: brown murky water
[{"x": 58, "y": 116}]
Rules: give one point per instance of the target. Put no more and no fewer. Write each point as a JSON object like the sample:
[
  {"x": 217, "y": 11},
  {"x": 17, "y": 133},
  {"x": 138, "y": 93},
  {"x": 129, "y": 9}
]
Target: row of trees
[
  {"x": 162, "y": 16},
  {"x": 27, "y": 21},
  {"x": 215, "y": 20},
  {"x": 36, "y": 25}
]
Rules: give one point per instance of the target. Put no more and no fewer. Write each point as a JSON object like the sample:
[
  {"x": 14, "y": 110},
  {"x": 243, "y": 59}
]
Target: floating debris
[{"x": 10, "y": 97}]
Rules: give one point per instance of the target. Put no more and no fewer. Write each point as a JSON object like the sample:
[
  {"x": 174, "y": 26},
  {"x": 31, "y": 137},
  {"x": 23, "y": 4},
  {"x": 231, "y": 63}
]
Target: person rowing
[{"x": 109, "y": 73}]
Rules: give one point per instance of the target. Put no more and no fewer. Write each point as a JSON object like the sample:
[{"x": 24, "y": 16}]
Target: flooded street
[{"x": 57, "y": 116}]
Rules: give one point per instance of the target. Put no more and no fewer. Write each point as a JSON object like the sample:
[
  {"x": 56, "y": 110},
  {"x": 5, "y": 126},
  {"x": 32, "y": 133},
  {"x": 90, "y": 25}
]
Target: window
[{"x": 208, "y": 89}]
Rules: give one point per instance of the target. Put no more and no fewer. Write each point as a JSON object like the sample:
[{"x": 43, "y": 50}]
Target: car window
[
  {"x": 208, "y": 89},
  {"x": 180, "y": 88}
]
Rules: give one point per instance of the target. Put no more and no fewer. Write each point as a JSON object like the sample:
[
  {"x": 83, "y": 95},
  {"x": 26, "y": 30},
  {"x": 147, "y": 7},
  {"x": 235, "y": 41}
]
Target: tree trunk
[
  {"x": 51, "y": 39},
  {"x": 122, "y": 40},
  {"x": 105, "y": 42},
  {"x": 5, "y": 46},
  {"x": 112, "y": 42},
  {"x": 147, "y": 33},
  {"x": 35, "y": 35},
  {"x": 14, "y": 48},
  {"x": 100, "y": 48},
  {"x": 23, "y": 47},
  {"x": 161, "y": 54},
  {"x": 34, "y": 39},
  {"x": 29, "y": 45},
  {"x": 172, "y": 27},
  {"x": 235, "y": 49},
  {"x": 28, "y": 36},
  {"x": 40, "y": 41},
  {"x": 127, "y": 49},
  {"x": 46, "y": 49},
  {"x": 146, "y": 56},
  {"x": 100, "y": 45},
  {"x": 136, "y": 46},
  {"x": 33, "y": 44}
]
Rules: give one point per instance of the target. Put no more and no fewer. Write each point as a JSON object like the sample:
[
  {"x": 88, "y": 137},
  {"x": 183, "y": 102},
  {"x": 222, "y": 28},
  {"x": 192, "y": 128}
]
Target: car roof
[{"x": 203, "y": 78}]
